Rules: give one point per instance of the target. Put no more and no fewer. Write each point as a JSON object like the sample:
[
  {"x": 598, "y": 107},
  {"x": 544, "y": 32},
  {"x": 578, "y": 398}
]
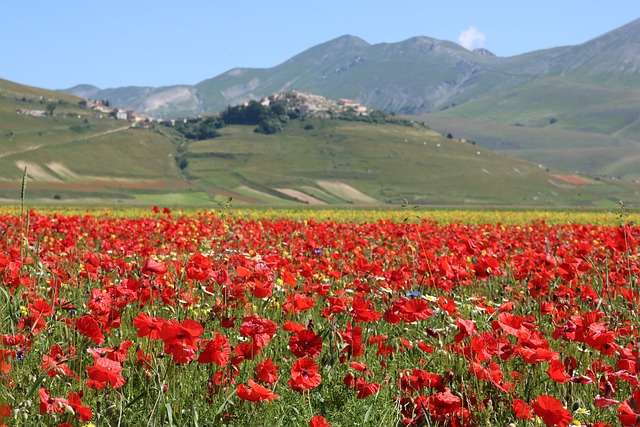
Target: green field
[
  {"x": 563, "y": 124},
  {"x": 79, "y": 156}
]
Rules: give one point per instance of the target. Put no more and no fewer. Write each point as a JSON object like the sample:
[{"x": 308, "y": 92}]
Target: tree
[{"x": 51, "y": 108}]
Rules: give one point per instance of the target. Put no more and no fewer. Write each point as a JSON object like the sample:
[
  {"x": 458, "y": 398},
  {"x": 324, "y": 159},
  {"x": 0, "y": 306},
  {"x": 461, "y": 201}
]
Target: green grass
[
  {"x": 562, "y": 123},
  {"x": 388, "y": 163},
  {"x": 177, "y": 199},
  {"x": 571, "y": 150}
]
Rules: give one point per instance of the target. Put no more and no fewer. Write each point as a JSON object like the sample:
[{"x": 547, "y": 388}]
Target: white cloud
[{"x": 471, "y": 38}]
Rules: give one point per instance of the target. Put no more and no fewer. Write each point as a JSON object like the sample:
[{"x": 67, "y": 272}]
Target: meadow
[{"x": 318, "y": 317}]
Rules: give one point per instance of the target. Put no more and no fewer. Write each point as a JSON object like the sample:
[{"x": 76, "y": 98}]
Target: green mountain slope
[
  {"x": 417, "y": 75},
  {"x": 81, "y": 156},
  {"x": 561, "y": 122},
  {"x": 341, "y": 162},
  {"x": 77, "y": 152}
]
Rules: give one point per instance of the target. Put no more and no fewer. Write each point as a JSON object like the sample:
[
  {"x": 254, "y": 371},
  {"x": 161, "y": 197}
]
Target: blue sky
[{"x": 113, "y": 43}]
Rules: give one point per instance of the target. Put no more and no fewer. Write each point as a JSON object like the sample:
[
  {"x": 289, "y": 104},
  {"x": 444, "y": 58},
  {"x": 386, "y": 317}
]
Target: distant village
[
  {"x": 305, "y": 104},
  {"x": 101, "y": 107}
]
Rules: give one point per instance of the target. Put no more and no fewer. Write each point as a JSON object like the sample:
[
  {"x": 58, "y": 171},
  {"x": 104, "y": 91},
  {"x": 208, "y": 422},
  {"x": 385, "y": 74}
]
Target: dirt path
[{"x": 28, "y": 148}]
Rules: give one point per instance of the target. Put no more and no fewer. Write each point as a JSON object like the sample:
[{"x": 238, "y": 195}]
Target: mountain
[
  {"x": 580, "y": 112},
  {"x": 584, "y": 98},
  {"x": 164, "y": 102},
  {"x": 418, "y": 75}
]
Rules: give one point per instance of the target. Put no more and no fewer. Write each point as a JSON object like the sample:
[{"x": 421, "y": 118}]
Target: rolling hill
[
  {"x": 76, "y": 152},
  {"x": 78, "y": 155}
]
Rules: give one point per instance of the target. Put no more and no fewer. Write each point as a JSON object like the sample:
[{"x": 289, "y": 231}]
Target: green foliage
[
  {"x": 51, "y": 106},
  {"x": 251, "y": 114},
  {"x": 374, "y": 116},
  {"x": 200, "y": 128},
  {"x": 80, "y": 128},
  {"x": 269, "y": 126},
  {"x": 269, "y": 119}
]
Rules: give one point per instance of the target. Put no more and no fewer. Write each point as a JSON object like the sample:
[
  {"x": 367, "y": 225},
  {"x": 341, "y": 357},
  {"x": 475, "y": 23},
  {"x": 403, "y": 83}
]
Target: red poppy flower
[
  {"x": 448, "y": 305},
  {"x": 181, "y": 352},
  {"x": 255, "y": 392},
  {"x": 360, "y": 367},
  {"x": 216, "y": 350},
  {"x": 266, "y": 371},
  {"x": 557, "y": 373},
  {"x": 89, "y": 327},
  {"x": 104, "y": 371},
  {"x": 41, "y": 307},
  {"x": 148, "y": 326},
  {"x": 419, "y": 379},
  {"x": 444, "y": 403},
  {"x": 318, "y": 421},
  {"x": 245, "y": 350},
  {"x": 84, "y": 413},
  {"x": 51, "y": 405},
  {"x": 414, "y": 310},
  {"x": 100, "y": 302},
  {"x": 305, "y": 343},
  {"x": 365, "y": 389},
  {"x": 144, "y": 360},
  {"x": 537, "y": 355},
  {"x": 304, "y": 375},
  {"x": 5, "y": 358},
  {"x": 186, "y": 333},
  {"x": 297, "y": 303},
  {"x": 629, "y": 411},
  {"x": 521, "y": 409},
  {"x": 294, "y": 327},
  {"x": 467, "y": 328},
  {"x": 512, "y": 324},
  {"x": 353, "y": 339},
  {"x": 551, "y": 411},
  {"x": 603, "y": 402},
  {"x": 259, "y": 329},
  {"x": 54, "y": 363},
  {"x": 153, "y": 266},
  {"x": 364, "y": 311},
  {"x": 261, "y": 289},
  {"x": 5, "y": 411}
]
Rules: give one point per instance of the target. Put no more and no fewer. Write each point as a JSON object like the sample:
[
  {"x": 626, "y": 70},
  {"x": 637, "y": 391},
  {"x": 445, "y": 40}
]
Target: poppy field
[{"x": 211, "y": 319}]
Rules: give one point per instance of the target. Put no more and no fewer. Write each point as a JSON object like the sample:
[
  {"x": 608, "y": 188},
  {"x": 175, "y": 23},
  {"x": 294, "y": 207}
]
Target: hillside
[
  {"x": 78, "y": 155},
  {"x": 333, "y": 161},
  {"x": 77, "y": 152}
]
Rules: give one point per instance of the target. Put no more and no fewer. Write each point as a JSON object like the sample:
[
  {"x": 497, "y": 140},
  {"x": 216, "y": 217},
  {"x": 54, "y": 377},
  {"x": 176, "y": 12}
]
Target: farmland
[{"x": 315, "y": 318}]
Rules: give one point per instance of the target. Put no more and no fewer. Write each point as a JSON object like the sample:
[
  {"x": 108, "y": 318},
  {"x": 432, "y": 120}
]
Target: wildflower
[
  {"x": 551, "y": 411},
  {"x": 88, "y": 326},
  {"x": 521, "y": 409},
  {"x": 266, "y": 371},
  {"x": 305, "y": 343},
  {"x": 318, "y": 421},
  {"x": 216, "y": 350},
  {"x": 104, "y": 371},
  {"x": 255, "y": 392},
  {"x": 304, "y": 375}
]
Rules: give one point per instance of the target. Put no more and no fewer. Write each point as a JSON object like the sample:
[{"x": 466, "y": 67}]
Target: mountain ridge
[
  {"x": 383, "y": 75},
  {"x": 591, "y": 89}
]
